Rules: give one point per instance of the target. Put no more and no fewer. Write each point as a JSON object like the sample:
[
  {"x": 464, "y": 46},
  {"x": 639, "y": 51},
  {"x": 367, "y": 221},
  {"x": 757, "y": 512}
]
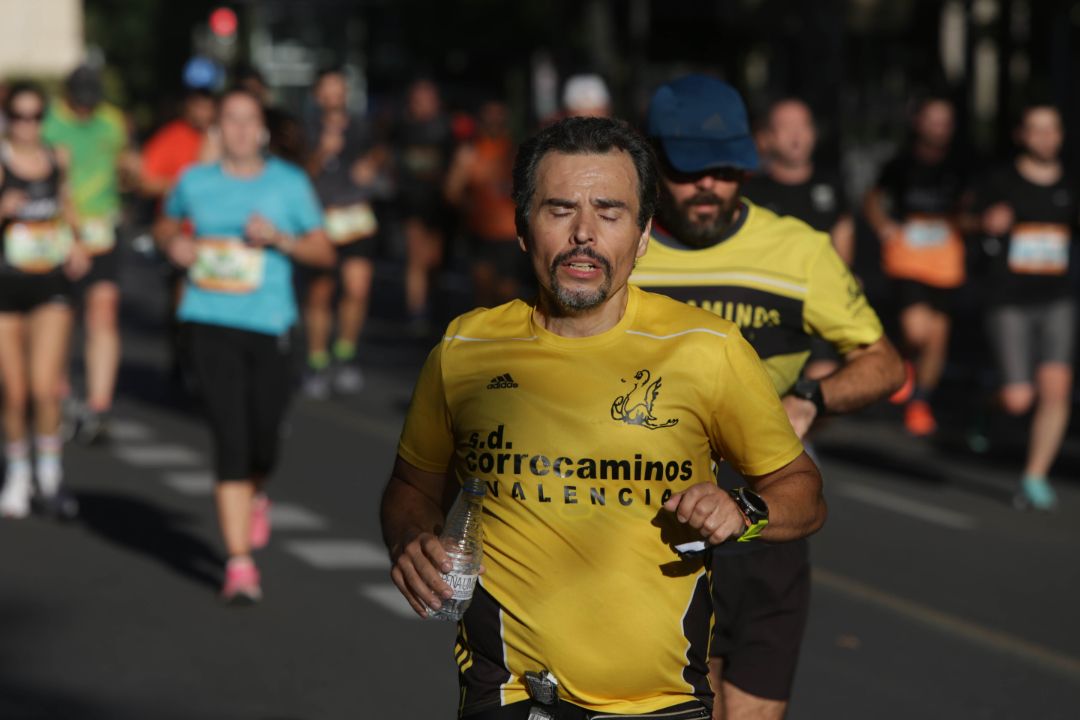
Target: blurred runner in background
[
  {"x": 1031, "y": 206},
  {"x": 39, "y": 257},
  {"x": 792, "y": 184},
  {"x": 94, "y": 134},
  {"x": 915, "y": 211},
  {"x": 423, "y": 146},
  {"x": 177, "y": 145},
  {"x": 586, "y": 96},
  {"x": 171, "y": 150},
  {"x": 251, "y": 217},
  {"x": 479, "y": 185},
  {"x": 344, "y": 166}
]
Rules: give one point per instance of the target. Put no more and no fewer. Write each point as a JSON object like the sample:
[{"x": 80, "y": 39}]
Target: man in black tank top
[
  {"x": 792, "y": 184},
  {"x": 1029, "y": 210}
]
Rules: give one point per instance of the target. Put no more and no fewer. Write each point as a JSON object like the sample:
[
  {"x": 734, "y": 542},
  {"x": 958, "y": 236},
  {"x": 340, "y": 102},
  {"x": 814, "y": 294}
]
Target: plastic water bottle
[{"x": 463, "y": 539}]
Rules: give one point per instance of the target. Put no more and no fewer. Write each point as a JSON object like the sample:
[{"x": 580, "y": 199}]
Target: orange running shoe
[
  {"x": 919, "y": 418},
  {"x": 906, "y": 390}
]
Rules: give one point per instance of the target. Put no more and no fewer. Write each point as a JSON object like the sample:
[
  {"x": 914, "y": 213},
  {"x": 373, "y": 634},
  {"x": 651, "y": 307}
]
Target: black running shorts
[
  {"x": 246, "y": 381},
  {"x": 761, "y": 600},
  {"x": 22, "y": 292}
]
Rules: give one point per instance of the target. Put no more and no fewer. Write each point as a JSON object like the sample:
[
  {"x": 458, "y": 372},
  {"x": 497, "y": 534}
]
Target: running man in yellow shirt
[
  {"x": 593, "y": 415},
  {"x": 783, "y": 284}
]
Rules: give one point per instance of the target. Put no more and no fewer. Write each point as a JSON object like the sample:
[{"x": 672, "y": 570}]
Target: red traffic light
[{"x": 223, "y": 22}]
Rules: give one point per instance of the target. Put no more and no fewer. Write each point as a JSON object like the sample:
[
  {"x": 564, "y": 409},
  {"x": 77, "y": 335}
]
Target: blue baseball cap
[{"x": 701, "y": 124}]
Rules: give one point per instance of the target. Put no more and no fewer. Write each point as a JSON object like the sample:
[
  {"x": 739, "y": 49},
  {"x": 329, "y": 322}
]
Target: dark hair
[
  {"x": 199, "y": 93},
  {"x": 584, "y": 136},
  {"x": 328, "y": 70},
  {"x": 19, "y": 88}
]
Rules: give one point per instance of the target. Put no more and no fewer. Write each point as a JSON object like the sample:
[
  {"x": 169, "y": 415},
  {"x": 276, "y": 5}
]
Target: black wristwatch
[
  {"x": 808, "y": 389},
  {"x": 754, "y": 508}
]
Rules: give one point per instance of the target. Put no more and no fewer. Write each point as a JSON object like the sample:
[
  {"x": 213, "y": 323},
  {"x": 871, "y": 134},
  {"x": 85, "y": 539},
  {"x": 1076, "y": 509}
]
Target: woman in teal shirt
[{"x": 237, "y": 226}]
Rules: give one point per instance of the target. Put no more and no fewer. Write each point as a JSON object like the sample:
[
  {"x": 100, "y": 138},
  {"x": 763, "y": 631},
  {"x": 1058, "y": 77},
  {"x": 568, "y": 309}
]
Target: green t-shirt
[{"x": 94, "y": 145}]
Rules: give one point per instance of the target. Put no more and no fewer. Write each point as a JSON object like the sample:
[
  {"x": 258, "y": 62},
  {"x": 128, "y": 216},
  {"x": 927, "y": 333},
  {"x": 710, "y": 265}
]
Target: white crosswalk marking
[
  {"x": 157, "y": 455},
  {"x": 128, "y": 430},
  {"x": 286, "y": 516},
  {"x": 340, "y": 554},
  {"x": 390, "y": 598},
  {"x": 191, "y": 483}
]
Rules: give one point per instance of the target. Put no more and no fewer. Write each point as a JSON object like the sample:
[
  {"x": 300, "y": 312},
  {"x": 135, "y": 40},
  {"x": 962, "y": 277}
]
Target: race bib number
[
  {"x": 228, "y": 266},
  {"x": 1039, "y": 249},
  {"x": 36, "y": 247},
  {"x": 423, "y": 161},
  {"x": 926, "y": 233},
  {"x": 350, "y": 223},
  {"x": 98, "y": 235}
]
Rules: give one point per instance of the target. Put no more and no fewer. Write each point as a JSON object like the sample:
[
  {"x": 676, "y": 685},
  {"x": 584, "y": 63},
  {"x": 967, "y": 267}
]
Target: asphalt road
[{"x": 932, "y": 597}]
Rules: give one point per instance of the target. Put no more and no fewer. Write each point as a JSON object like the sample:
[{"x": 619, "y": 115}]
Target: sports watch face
[{"x": 755, "y": 503}]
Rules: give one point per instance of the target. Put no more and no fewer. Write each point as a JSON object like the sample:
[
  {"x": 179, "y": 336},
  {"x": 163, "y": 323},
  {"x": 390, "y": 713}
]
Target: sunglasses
[
  {"x": 723, "y": 174},
  {"x": 19, "y": 117}
]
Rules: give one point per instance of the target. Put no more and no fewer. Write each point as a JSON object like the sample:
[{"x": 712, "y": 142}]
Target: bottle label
[{"x": 462, "y": 585}]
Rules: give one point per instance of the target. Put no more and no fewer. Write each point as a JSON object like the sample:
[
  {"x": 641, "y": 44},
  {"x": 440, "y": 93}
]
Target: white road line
[
  {"x": 159, "y": 456},
  {"x": 191, "y": 483},
  {"x": 904, "y": 506},
  {"x": 340, "y": 554},
  {"x": 974, "y": 633},
  {"x": 286, "y": 516},
  {"x": 390, "y": 598},
  {"x": 128, "y": 430}
]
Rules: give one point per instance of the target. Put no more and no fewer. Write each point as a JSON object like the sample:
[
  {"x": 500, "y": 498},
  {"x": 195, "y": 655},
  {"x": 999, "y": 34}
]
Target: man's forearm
[
  {"x": 867, "y": 375},
  {"x": 405, "y": 513},
  {"x": 796, "y": 504}
]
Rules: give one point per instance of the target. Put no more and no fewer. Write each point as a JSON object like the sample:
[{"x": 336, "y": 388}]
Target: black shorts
[
  {"x": 24, "y": 292},
  {"x": 504, "y": 256},
  {"x": 103, "y": 268},
  {"x": 761, "y": 600},
  {"x": 246, "y": 381},
  {"x": 911, "y": 292},
  {"x": 366, "y": 249},
  {"x": 693, "y": 710}
]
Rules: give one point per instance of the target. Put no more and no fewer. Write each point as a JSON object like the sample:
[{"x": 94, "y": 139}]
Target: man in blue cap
[{"x": 783, "y": 284}]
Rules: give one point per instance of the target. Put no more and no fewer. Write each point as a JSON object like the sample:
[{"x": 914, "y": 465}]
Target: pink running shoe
[
  {"x": 241, "y": 583},
  {"x": 260, "y": 521}
]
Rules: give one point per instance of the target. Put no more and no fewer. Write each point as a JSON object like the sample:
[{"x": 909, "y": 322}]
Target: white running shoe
[{"x": 15, "y": 497}]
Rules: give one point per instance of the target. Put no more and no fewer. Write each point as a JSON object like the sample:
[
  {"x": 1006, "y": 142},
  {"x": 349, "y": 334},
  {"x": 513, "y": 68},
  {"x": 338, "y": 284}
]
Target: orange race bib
[
  {"x": 98, "y": 234},
  {"x": 38, "y": 246},
  {"x": 227, "y": 265},
  {"x": 1039, "y": 249},
  {"x": 349, "y": 223},
  {"x": 928, "y": 249}
]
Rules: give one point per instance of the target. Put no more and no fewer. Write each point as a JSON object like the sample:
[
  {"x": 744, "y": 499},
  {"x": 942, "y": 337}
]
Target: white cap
[{"x": 585, "y": 92}]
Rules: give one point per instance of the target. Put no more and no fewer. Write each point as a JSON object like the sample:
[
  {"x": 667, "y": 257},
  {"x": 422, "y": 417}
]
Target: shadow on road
[{"x": 146, "y": 528}]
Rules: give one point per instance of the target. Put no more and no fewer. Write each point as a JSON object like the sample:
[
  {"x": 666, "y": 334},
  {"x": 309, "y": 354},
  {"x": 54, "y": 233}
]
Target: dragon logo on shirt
[{"x": 636, "y": 406}]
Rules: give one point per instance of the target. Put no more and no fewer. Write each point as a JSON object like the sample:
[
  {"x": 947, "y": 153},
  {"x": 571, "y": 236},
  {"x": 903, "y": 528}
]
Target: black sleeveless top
[{"x": 43, "y": 196}]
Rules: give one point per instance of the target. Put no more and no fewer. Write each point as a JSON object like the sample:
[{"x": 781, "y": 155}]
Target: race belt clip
[{"x": 544, "y": 690}]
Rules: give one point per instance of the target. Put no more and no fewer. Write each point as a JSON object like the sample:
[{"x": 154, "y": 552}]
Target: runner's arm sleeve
[
  {"x": 836, "y": 307},
  {"x": 748, "y": 425},
  {"x": 176, "y": 205},
  {"x": 427, "y": 440}
]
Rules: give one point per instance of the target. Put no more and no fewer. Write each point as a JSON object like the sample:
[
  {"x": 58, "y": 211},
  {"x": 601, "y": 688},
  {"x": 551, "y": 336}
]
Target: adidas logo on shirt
[{"x": 502, "y": 382}]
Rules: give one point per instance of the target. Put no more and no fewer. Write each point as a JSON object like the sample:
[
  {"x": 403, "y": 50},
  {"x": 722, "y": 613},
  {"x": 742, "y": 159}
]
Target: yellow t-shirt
[
  {"x": 777, "y": 278},
  {"x": 580, "y": 441}
]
